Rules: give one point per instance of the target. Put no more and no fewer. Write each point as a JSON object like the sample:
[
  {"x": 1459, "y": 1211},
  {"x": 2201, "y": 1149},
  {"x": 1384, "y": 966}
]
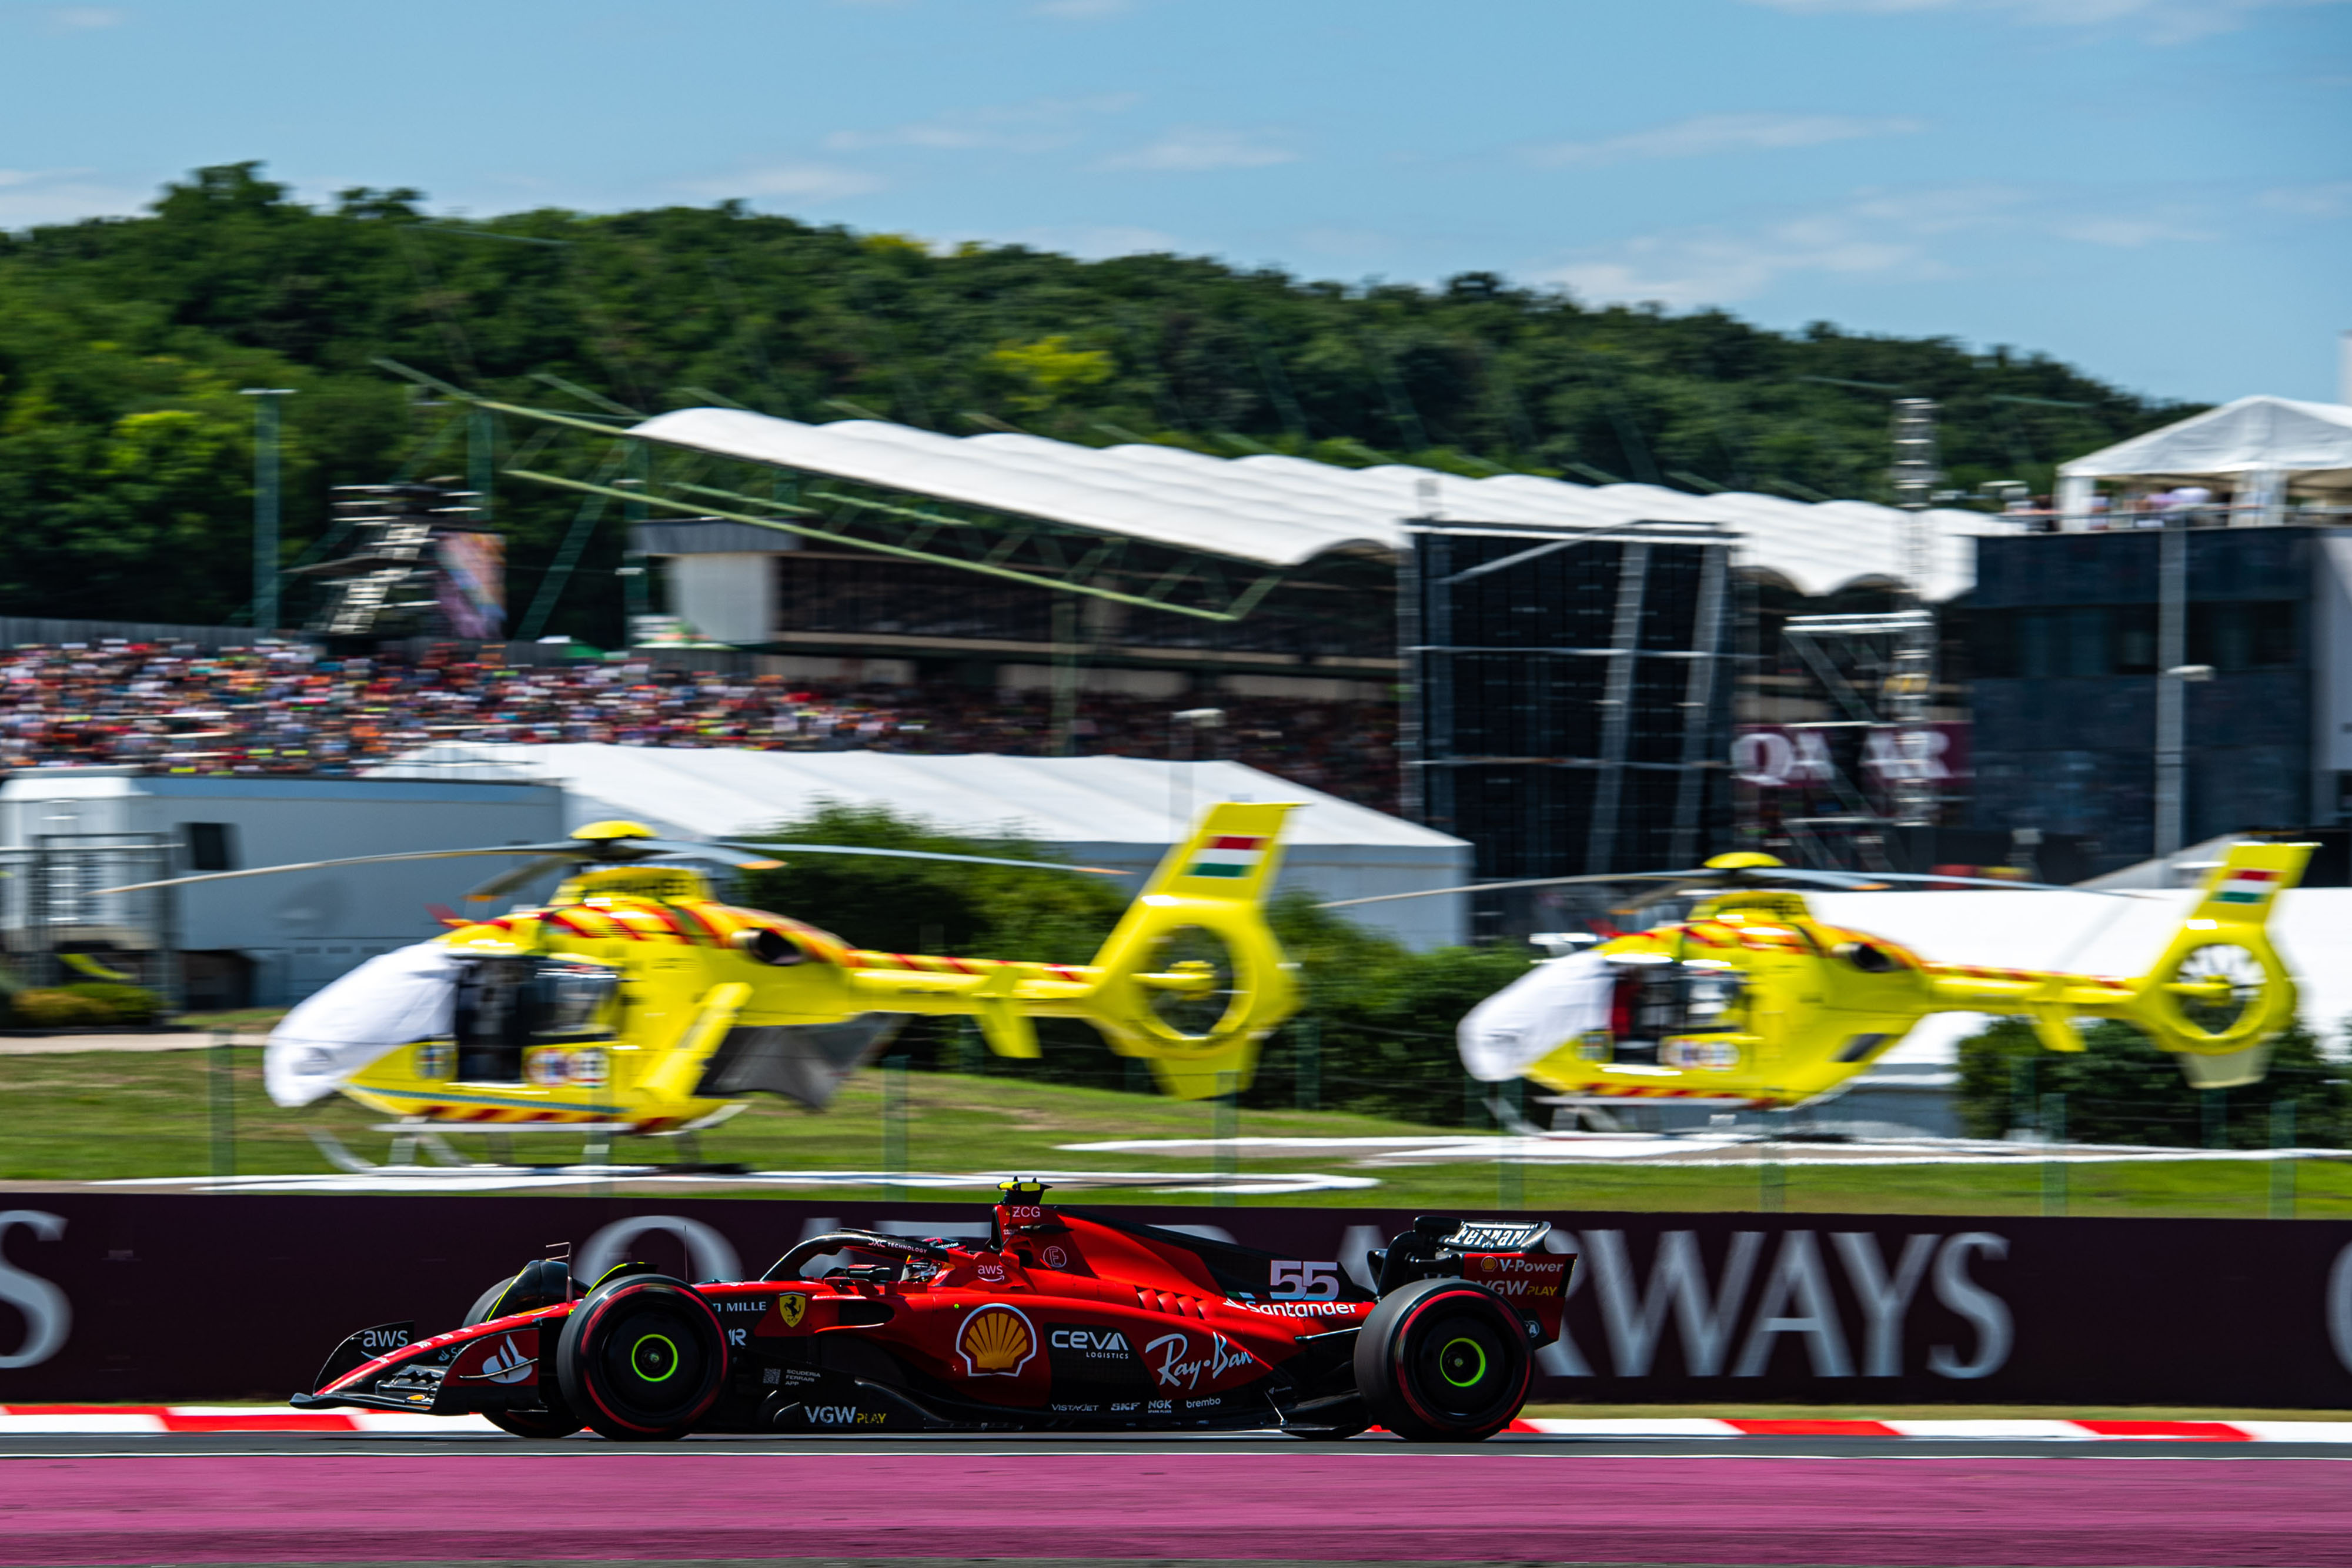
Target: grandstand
[{"x": 1294, "y": 561}]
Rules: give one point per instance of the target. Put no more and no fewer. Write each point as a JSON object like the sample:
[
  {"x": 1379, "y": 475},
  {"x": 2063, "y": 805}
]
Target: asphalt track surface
[{"x": 318, "y": 1497}]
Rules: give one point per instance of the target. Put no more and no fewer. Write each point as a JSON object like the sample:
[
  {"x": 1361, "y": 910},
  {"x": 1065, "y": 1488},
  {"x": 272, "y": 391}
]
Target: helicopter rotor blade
[
  {"x": 906, "y": 855},
  {"x": 508, "y": 881},
  {"x": 570, "y": 850},
  {"x": 1528, "y": 882}
]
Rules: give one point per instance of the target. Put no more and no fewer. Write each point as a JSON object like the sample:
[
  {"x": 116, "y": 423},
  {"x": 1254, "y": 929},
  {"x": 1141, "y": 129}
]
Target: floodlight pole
[
  {"x": 1912, "y": 685},
  {"x": 265, "y": 503},
  {"x": 2172, "y": 672}
]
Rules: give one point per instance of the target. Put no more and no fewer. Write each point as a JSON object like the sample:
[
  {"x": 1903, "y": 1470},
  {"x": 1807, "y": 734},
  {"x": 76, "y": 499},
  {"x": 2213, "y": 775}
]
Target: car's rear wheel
[
  {"x": 1443, "y": 1360},
  {"x": 642, "y": 1358}
]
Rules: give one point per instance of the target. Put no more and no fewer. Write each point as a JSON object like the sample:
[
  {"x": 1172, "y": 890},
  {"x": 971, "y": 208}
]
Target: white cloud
[
  {"x": 1883, "y": 235},
  {"x": 1081, "y": 10},
  {"x": 2127, "y": 232},
  {"x": 29, "y": 196},
  {"x": 1710, "y": 133},
  {"x": 2159, "y": 21},
  {"x": 2329, "y": 201},
  {"x": 1032, "y": 127},
  {"x": 1193, "y": 150},
  {"x": 800, "y": 181},
  {"x": 81, "y": 18},
  {"x": 1091, "y": 242}
]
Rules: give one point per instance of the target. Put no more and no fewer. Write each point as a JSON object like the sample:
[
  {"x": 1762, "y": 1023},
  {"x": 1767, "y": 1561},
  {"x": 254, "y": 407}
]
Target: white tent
[
  {"x": 1119, "y": 811},
  {"x": 2261, "y": 445},
  {"x": 1284, "y": 511}
]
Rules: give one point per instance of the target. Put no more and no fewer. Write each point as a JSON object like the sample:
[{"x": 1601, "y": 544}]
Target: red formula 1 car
[{"x": 1063, "y": 1321}]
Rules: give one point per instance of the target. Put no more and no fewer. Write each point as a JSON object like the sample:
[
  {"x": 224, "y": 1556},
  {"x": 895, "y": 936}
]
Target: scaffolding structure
[
  {"x": 1861, "y": 787},
  {"x": 51, "y": 909},
  {"x": 1567, "y": 708}
]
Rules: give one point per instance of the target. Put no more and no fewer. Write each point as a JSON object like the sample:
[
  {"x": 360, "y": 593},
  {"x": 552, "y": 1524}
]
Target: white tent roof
[
  {"x": 717, "y": 792},
  {"x": 1119, "y": 811},
  {"x": 2252, "y": 435},
  {"x": 1286, "y": 510}
]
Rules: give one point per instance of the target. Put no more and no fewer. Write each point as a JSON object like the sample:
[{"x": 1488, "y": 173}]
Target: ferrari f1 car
[{"x": 1063, "y": 1320}]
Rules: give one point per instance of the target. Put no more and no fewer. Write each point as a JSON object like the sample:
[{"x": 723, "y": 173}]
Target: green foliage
[
  {"x": 125, "y": 451},
  {"x": 62, "y": 1009},
  {"x": 934, "y": 906},
  {"x": 1385, "y": 1015},
  {"x": 2120, "y": 1089},
  {"x": 123, "y": 1003}
]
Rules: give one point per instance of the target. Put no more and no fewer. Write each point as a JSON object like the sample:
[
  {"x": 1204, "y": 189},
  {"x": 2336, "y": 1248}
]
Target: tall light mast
[{"x": 1910, "y": 687}]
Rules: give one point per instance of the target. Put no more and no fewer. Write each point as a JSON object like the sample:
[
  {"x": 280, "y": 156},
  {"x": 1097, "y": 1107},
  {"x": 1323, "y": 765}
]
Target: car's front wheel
[
  {"x": 642, "y": 1358},
  {"x": 1443, "y": 1360}
]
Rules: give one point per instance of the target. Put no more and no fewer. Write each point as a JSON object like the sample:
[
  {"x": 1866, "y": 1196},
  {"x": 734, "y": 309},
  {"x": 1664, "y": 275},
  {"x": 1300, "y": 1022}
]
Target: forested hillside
[{"x": 125, "y": 449}]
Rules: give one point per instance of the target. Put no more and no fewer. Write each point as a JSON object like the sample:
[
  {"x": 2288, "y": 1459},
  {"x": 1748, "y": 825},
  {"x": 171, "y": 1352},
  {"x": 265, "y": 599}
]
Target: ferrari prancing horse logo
[{"x": 792, "y": 1306}]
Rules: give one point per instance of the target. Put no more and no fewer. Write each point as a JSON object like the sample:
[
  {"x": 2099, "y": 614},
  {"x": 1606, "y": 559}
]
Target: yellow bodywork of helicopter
[
  {"x": 1753, "y": 998},
  {"x": 635, "y": 1001}
]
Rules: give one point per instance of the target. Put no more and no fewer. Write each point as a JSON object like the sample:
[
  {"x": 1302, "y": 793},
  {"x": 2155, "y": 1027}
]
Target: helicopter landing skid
[{"x": 408, "y": 1138}]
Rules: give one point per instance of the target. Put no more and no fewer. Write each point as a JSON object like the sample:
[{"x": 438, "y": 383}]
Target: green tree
[
  {"x": 2120, "y": 1089},
  {"x": 229, "y": 282}
]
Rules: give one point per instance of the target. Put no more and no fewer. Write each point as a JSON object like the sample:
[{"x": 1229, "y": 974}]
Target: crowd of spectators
[{"x": 289, "y": 709}]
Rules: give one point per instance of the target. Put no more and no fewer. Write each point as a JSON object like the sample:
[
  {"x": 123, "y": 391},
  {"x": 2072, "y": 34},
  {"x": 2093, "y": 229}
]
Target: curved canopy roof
[
  {"x": 2253, "y": 436},
  {"x": 1282, "y": 511}
]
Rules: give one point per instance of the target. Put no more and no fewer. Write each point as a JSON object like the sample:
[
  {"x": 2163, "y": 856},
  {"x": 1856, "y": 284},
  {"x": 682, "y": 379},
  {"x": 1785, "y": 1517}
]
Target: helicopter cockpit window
[
  {"x": 505, "y": 1004},
  {"x": 1655, "y": 1002}
]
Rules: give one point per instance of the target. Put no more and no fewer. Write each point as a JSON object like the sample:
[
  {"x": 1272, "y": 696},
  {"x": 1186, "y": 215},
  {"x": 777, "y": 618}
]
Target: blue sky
[{"x": 2158, "y": 190}]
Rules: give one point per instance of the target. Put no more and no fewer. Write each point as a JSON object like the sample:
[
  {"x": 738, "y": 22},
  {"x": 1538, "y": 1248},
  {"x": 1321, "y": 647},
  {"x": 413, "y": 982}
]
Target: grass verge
[{"x": 97, "y": 1116}]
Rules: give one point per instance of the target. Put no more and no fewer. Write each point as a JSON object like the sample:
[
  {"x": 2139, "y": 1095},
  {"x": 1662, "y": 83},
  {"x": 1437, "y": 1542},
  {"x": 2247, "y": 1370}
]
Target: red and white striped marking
[
  {"x": 2063, "y": 1431},
  {"x": 62, "y": 1420},
  {"x": 130, "y": 1420}
]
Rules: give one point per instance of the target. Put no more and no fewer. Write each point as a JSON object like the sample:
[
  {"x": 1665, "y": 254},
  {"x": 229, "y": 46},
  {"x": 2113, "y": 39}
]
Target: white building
[
  {"x": 1121, "y": 811},
  {"x": 264, "y": 941}
]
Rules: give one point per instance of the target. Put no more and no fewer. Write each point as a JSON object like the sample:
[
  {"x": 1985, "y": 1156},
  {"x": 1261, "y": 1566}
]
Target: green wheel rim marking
[
  {"x": 641, "y": 1343},
  {"x": 1472, "y": 1381}
]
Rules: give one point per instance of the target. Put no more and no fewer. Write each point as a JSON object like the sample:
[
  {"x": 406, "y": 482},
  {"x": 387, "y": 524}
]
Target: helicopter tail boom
[
  {"x": 1190, "y": 980},
  {"x": 2214, "y": 997}
]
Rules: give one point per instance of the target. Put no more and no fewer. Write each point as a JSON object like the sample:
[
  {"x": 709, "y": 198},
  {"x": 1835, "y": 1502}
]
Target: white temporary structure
[
  {"x": 2259, "y": 446},
  {"x": 1284, "y": 511},
  {"x": 1118, "y": 812}
]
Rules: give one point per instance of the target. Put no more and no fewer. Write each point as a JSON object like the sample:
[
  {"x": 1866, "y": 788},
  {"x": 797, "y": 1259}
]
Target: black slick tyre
[
  {"x": 642, "y": 1358},
  {"x": 1443, "y": 1360},
  {"x": 557, "y": 1420}
]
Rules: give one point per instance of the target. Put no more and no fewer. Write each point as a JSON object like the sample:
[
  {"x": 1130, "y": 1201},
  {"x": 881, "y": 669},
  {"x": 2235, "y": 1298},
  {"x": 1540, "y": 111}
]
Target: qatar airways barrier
[{"x": 150, "y": 1297}]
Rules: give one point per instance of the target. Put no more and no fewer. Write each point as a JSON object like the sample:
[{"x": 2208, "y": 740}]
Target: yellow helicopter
[
  {"x": 636, "y": 1002},
  {"x": 1751, "y": 998}
]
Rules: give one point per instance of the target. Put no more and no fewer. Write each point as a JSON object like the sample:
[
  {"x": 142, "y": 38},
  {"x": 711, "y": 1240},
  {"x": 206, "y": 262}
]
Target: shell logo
[{"x": 996, "y": 1341}]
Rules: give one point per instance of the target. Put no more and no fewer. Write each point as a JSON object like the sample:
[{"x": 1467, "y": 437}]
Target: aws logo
[{"x": 997, "y": 1341}]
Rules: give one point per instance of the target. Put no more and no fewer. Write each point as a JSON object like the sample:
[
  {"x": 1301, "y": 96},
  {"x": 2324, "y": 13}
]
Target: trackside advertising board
[{"x": 152, "y": 1297}]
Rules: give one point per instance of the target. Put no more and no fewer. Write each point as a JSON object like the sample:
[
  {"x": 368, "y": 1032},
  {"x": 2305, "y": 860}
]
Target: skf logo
[
  {"x": 792, "y": 1307},
  {"x": 996, "y": 1341}
]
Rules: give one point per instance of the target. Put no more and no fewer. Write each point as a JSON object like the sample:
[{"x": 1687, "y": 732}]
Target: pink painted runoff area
[
  {"x": 1536, "y": 1501},
  {"x": 132, "y": 1420}
]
